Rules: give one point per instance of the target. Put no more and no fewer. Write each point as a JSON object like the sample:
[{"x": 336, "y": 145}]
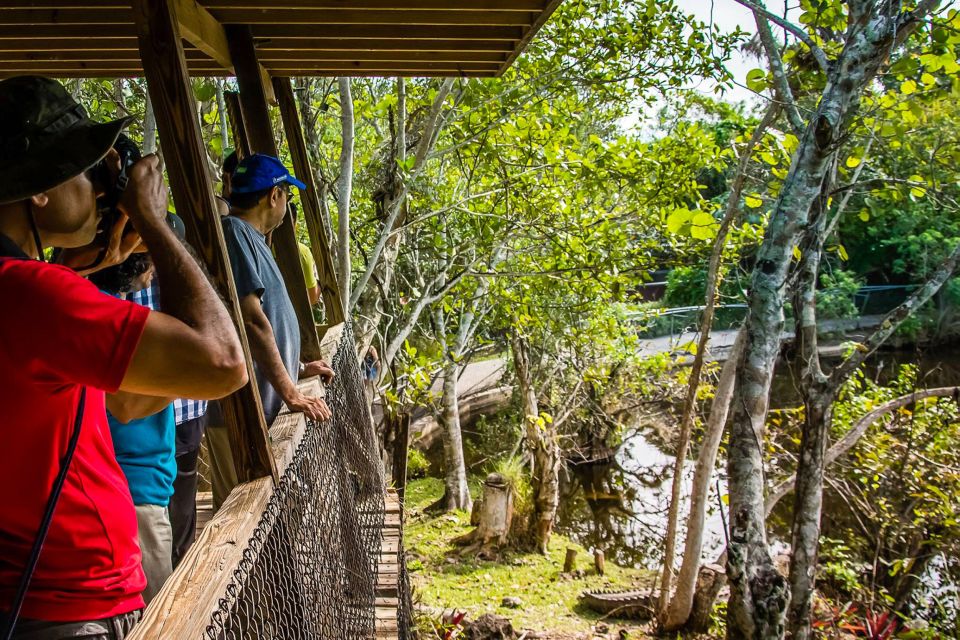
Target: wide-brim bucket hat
[{"x": 46, "y": 137}]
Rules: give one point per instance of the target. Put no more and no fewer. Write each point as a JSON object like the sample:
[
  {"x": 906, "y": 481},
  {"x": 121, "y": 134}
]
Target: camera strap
[{"x": 10, "y": 620}]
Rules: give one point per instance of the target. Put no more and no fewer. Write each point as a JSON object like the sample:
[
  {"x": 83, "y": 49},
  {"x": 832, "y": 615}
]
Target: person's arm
[
  {"x": 125, "y": 406},
  {"x": 314, "y": 294},
  {"x": 191, "y": 349},
  {"x": 118, "y": 249},
  {"x": 263, "y": 348}
]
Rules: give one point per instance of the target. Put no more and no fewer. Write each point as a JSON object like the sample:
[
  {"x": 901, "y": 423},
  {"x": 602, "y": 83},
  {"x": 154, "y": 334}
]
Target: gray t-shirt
[{"x": 255, "y": 271}]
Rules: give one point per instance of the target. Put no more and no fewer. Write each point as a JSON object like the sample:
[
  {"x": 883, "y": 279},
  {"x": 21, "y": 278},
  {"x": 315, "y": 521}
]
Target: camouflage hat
[{"x": 46, "y": 138}]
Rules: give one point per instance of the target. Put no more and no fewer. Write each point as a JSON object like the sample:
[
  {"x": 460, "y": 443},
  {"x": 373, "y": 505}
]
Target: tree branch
[
  {"x": 760, "y": 11},
  {"x": 895, "y": 318},
  {"x": 780, "y": 83},
  {"x": 851, "y": 437}
]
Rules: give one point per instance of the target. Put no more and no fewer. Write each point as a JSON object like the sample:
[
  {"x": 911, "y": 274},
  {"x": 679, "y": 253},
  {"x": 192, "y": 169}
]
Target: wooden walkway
[{"x": 388, "y": 568}]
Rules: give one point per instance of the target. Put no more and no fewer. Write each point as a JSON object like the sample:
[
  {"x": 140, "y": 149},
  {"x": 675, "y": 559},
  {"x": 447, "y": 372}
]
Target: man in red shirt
[{"x": 58, "y": 336}]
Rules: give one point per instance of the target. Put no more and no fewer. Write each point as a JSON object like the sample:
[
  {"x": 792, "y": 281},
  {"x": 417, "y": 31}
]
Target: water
[{"x": 620, "y": 505}]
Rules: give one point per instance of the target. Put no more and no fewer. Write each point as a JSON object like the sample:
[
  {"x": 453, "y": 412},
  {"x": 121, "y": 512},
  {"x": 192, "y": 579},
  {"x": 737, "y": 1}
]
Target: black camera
[{"x": 113, "y": 188}]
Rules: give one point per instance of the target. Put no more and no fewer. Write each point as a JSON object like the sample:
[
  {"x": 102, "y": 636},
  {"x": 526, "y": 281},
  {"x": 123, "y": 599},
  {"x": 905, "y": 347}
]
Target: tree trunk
[
  {"x": 758, "y": 594},
  {"x": 542, "y": 441},
  {"x": 344, "y": 191},
  {"x": 455, "y": 476},
  {"x": 818, "y": 397},
  {"x": 683, "y": 599},
  {"x": 149, "y": 127},
  {"x": 457, "y": 493},
  {"x": 222, "y": 118},
  {"x": 706, "y": 323}
]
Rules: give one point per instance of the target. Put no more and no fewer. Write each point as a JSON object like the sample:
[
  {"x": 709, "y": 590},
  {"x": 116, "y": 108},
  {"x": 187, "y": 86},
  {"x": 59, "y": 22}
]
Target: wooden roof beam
[{"x": 200, "y": 28}]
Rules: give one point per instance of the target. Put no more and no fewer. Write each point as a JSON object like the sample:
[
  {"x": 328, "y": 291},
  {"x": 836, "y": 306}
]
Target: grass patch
[{"x": 444, "y": 580}]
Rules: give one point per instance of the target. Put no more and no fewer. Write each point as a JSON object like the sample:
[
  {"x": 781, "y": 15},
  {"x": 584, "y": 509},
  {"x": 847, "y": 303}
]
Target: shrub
[
  {"x": 835, "y": 298},
  {"x": 417, "y": 464}
]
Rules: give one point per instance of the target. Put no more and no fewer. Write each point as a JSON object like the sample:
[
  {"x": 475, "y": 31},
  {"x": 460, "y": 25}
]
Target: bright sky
[{"x": 728, "y": 15}]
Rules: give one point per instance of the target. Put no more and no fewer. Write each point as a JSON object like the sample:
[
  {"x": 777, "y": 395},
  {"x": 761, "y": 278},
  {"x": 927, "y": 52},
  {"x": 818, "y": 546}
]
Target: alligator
[{"x": 620, "y": 604}]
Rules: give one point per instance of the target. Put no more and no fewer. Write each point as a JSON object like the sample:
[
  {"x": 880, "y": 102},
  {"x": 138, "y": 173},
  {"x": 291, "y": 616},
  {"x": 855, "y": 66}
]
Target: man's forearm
[
  {"x": 186, "y": 292},
  {"x": 263, "y": 348}
]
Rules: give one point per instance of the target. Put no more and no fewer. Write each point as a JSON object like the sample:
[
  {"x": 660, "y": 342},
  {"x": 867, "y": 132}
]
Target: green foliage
[
  {"x": 687, "y": 287},
  {"x": 897, "y": 495},
  {"x": 517, "y": 475},
  {"x": 417, "y": 464},
  {"x": 835, "y": 297}
]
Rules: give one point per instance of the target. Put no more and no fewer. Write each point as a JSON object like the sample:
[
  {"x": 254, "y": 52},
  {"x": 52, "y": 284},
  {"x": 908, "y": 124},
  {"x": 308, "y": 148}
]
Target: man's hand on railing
[
  {"x": 313, "y": 408},
  {"x": 318, "y": 368}
]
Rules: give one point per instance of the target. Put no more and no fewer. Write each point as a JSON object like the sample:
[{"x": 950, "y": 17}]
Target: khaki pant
[
  {"x": 223, "y": 475},
  {"x": 156, "y": 546}
]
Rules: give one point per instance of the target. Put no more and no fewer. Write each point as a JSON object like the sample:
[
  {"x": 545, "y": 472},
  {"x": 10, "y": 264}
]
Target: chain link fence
[{"x": 310, "y": 569}]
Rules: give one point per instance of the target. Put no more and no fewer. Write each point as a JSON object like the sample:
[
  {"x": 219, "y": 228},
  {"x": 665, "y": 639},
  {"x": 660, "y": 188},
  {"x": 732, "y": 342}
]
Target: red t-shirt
[{"x": 57, "y": 333}]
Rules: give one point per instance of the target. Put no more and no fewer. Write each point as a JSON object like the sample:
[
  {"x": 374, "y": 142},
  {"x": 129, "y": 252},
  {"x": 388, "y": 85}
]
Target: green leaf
[
  {"x": 757, "y": 80},
  {"x": 908, "y": 87},
  {"x": 853, "y": 162},
  {"x": 753, "y": 201},
  {"x": 797, "y": 254},
  {"x": 864, "y": 215},
  {"x": 677, "y": 219},
  {"x": 703, "y": 226}
]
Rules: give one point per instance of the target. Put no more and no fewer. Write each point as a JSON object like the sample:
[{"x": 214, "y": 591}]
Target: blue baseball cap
[{"x": 258, "y": 172}]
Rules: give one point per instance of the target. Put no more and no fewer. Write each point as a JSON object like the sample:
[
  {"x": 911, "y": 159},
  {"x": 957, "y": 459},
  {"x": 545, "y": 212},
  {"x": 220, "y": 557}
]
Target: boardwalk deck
[{"x": 387, "y": 600}]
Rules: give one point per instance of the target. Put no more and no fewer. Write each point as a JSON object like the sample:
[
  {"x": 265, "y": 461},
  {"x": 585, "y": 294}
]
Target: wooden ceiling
[{"x": 97, "y": 38}]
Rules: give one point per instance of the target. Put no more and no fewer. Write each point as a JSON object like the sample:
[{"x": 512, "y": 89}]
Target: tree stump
[
  {"x": 710, "y": 580},
  {"x": 493, "y": 517},
  {"x": 496, "y": 512},
  {"x": 568, "y": 561},
  {"x": 598, "y": 561}
]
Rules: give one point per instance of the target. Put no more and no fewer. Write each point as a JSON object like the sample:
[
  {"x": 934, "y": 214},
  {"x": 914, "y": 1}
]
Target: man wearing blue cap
[{"x": 258, "y": 204}]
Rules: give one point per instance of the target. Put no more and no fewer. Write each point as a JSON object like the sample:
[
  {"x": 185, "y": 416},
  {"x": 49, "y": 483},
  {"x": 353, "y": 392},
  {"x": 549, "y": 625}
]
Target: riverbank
[{"x": 443, "y": 580}]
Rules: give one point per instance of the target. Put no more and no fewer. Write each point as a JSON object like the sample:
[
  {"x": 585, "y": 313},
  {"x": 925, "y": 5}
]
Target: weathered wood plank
[
  {"x": 421, "y": 5},
  {"x": 180, "y": 138},
  {"x": 203, "y": 31},
  {"x": 183, "y": 607},
  {"x": 238, "y": 129},
  {"x": 538, "y": 23},
  {"x": 266, "y": 47},
  {"x": 319, "y": 243},
  {"x": 266, "y": 15},
  {"x": 256, "y": 117},
  {"x": 326, "y": 29}
]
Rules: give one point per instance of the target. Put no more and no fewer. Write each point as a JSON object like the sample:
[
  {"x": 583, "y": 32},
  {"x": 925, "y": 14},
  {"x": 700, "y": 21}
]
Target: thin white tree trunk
[
  {"x": 457, "y": 493},
  {"x": 681, "y": 605},
  {"x": 149, "y": 127},
  {"x": 344, "y": 190},
  {"x": 706, "y": 324}
]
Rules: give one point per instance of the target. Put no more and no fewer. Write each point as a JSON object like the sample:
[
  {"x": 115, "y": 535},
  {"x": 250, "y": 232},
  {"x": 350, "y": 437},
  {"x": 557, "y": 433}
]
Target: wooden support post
[
  {"x": 401, "y": 450},
  {"x": 179, "y": 130},
  {"x": 256, "y": 117},
  {"x": 569, "y": 561},
  {"x": 319, "y": 243},
  {"x": 237, "y": 129},
  {"x": 599, "y": 561}
]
